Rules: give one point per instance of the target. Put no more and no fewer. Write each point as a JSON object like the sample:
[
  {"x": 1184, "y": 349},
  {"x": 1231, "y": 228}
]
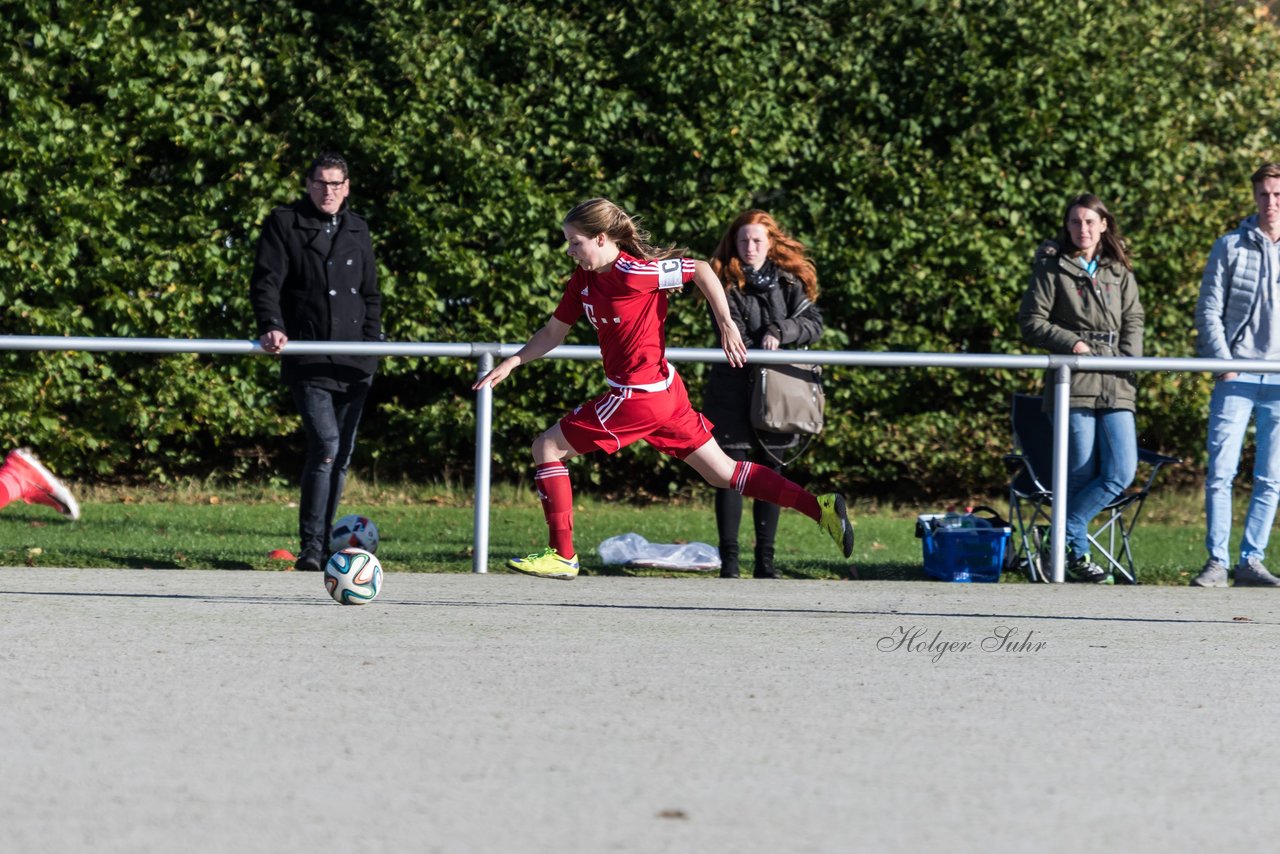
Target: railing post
[
  {"x": 484, "y": 442},
  {"x": 1058, "y": 516}
]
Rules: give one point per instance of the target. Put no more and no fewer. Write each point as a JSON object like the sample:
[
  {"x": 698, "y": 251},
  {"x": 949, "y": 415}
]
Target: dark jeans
[
  {"x": 764, "y": 515},
  {"x": 329, "y": 419}
]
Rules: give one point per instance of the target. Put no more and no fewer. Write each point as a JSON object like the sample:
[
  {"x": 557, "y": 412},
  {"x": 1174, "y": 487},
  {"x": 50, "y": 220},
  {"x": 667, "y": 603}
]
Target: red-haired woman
[
  {"x": 621, "y": 287},
  {"x": 771, "y": 286}
]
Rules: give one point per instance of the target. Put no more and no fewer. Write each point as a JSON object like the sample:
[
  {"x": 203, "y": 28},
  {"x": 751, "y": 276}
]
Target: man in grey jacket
[{"x": 1238, "y": 317}]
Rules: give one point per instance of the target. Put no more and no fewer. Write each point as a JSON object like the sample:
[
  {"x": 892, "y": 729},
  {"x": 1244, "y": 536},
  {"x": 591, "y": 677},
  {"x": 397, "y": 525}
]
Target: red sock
[
  {"x": 755, "y": 481},
  {"x": 10, "y": 486},
  {"x": 552, "y": 483}
]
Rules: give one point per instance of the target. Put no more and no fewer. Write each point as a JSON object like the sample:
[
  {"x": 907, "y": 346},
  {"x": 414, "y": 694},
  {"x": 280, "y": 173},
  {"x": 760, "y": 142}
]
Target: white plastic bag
[{"x": 634, "y": 550}]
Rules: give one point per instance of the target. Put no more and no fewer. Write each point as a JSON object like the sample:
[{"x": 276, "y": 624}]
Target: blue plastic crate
[{"x": 962, "y": 548}]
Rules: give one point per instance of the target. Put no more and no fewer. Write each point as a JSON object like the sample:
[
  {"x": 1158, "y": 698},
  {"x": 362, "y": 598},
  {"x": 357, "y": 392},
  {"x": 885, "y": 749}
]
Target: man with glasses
[{"x": 315, "y": 279}]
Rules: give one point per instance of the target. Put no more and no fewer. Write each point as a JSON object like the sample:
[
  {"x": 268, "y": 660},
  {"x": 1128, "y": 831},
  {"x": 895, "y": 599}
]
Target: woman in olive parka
[{"x": 1083, "y": 300}]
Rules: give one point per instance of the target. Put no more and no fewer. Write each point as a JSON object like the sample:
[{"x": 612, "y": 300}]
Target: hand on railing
[
  {"x": 497, "y": 375},
  {"x": 273, "y": 341}
]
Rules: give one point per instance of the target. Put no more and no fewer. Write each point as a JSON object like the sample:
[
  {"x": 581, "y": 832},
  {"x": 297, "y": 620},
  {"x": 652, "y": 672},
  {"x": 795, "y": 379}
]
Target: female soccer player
[{"x": 620, "y": 285}]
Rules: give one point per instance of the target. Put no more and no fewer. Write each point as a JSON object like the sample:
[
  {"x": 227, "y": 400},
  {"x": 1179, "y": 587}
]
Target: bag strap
[
  {"x": 771, "y": 455},
  {"x": 995, "y": 518}
]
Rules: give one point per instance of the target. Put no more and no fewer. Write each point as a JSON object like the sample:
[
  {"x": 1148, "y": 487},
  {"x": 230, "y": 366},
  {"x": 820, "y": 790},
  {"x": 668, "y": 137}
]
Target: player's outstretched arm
[
  {"x": 543, "y": 342},
  {"x": 730, "y": 338}
]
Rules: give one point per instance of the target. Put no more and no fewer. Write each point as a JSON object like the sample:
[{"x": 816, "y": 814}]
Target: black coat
[
  {"x": 787, "y": 313},
  {"x": 317, "y": 286}
]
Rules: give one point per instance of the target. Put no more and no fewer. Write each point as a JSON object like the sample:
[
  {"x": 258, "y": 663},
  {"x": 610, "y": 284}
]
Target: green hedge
[{"x": 921, "y": 150}]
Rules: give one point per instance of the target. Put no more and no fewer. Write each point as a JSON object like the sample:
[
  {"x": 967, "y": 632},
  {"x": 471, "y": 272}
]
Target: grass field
[{"x": 430, "y": 530}]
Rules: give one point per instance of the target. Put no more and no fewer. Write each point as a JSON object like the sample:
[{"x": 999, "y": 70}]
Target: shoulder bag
[{"x": 788, "y": 399}]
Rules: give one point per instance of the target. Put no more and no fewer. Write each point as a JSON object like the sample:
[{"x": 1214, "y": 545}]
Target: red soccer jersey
[{"x": 627, "y": 305}]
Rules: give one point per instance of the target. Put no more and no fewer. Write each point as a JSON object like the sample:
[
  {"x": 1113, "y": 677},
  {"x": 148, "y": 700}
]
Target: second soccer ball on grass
[{"x": 354, "y": 532}]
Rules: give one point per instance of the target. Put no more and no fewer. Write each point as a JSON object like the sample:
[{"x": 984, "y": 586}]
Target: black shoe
[{"x": 307, "y": 563}]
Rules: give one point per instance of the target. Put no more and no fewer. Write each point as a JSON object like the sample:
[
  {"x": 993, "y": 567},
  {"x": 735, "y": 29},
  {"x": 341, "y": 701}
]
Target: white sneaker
[
  {"x": 1251, "y": 573},
  {"x": 1214, "y": 574}
]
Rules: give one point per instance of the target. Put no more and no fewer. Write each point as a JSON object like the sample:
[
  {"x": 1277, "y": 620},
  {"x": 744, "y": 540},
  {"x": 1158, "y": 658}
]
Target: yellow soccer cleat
[
  {"x": 546, "y": 564},
  {"x": 835, "y": 521}
]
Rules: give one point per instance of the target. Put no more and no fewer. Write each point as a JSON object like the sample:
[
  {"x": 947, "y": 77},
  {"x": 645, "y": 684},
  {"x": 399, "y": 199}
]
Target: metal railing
[{"x": 486, "y": 353}]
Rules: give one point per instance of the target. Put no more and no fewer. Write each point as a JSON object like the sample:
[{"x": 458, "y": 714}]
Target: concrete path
[{"x": 205, "y": 711}]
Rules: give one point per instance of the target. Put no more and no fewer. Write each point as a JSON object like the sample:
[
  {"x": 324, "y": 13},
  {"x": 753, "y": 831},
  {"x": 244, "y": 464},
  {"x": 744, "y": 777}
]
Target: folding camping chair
[{"x": 1031, "y": 496}]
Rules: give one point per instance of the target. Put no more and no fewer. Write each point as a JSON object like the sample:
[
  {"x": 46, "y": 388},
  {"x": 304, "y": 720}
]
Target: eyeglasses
[{"x": 330, "y": 185}]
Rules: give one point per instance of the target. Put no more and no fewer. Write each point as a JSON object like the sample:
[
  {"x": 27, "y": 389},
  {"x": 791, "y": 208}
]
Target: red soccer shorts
[{"x": 664, "y": 419}]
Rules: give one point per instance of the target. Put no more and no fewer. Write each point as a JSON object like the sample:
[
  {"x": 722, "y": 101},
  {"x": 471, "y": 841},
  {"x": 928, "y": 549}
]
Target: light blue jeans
[
  {"x": 1233, "y": 404},
  {"x": 1102, "y": 458}
]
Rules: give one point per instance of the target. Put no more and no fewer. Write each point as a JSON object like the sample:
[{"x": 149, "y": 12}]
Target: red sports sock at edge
[
  {"x": 755, "y": 481},
  {"x": 552, "y": 483}
]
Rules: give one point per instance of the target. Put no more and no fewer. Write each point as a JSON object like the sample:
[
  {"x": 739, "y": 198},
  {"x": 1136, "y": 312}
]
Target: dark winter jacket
[
  {"x": 1064, "y": 305},
  {"x": 785, "y": 312},
  {"x": 317, "y": 282}
]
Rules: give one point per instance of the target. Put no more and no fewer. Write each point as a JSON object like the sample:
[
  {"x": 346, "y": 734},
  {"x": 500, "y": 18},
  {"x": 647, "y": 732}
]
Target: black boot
[
  {"x": 764, "y": 562},
  {"x": 765, "y": 521},
  {"x": 728, "y": 560},
  {"x": 311, "y": 560}
]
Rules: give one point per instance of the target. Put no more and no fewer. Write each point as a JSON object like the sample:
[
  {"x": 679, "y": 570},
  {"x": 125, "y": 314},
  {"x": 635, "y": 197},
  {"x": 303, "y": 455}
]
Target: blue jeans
[
  {"x": 329, "y": 420},
  {"x": 1102, "y": 458},
  {"x": 1233, "y": 404}
]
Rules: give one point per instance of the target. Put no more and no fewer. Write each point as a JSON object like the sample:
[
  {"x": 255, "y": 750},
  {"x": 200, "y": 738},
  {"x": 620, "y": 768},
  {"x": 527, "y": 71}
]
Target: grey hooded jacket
[{"x": 1229, "y": 290}]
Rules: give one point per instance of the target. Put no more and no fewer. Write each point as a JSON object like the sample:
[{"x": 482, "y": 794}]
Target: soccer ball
[
  {"x": 354, "y": 532},
  {"x": 353, "y": 577}
]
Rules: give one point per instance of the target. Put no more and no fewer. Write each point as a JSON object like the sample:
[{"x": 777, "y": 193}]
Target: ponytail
[{"x": 601, "y": 216}]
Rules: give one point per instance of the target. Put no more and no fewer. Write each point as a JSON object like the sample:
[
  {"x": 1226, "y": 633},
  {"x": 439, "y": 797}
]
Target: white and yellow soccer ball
[
  {"x": 353, "y": 577},
  {"x": 354, "y": 532}
]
